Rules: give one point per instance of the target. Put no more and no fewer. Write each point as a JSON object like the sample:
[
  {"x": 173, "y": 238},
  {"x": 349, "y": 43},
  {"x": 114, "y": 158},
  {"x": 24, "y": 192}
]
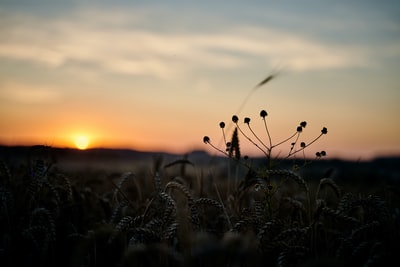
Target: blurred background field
[
  {"x": 100, "y": 165},
  {"x": 69, "y": 159}
]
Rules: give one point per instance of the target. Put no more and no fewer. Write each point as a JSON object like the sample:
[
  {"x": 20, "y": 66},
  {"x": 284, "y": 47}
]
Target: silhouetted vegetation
[{"x": 167, "y": 210}]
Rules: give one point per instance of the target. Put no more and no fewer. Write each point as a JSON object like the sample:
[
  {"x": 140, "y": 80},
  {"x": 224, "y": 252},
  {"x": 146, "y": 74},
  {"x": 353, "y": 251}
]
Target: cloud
[
  {"x": 124, "y": 46},
  {"x": 21, "y": 51},
  {"x": 25, "y": 94}
]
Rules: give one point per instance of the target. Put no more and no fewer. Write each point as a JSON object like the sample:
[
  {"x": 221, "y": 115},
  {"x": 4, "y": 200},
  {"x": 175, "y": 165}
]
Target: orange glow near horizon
[
  {"x": 185, "y": 141},
  {"x": 163, "y": 128},
  {"x": 179, "y": 132}
]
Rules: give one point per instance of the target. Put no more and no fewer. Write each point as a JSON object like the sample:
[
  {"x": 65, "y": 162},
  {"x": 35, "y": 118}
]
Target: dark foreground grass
[{"x": 177, "y": 213}]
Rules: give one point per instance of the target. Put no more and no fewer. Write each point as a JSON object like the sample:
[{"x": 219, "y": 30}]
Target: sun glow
[{"x": 82, "y": 142}]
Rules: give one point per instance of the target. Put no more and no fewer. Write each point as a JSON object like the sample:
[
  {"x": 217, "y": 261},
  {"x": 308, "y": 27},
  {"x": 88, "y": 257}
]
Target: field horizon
[{"x": 121, "y": 160}]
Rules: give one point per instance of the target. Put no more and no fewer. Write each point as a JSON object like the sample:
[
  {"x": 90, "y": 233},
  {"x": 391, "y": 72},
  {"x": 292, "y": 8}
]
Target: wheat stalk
[{"x": 331, "y": 184}]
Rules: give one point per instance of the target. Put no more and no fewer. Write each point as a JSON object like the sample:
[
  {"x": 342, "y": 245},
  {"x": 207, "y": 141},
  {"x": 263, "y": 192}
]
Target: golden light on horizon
[{"x": 82, "y": 142}]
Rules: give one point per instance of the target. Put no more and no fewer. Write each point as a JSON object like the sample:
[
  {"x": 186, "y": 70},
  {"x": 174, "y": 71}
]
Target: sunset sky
[{"x": 159, "y": 75}]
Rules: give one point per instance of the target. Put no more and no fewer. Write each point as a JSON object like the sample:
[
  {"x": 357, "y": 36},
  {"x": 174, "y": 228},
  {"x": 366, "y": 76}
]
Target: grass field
[{"x": 119, "y": 208}]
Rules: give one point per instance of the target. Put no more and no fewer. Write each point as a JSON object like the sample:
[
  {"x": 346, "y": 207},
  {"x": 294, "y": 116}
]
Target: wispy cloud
[
  {"x": 25, "y": 94},
  {"x": 93, "y": 40}
]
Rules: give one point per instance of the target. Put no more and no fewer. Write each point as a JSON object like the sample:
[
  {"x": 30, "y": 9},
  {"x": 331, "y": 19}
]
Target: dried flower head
[
  {"x": 235, "y": 118},
  {"x": 247, "y": 120},
  {"x": 263, "y": 114},
  {"x": 302, "y": 144},
  {"x": 303, "y": 124},
  {"x": 299, "y": 129},
  {"x": 324, "y": 130},
  {"x": 206, "y": 139},
  {"x": 222, "y": 124}
]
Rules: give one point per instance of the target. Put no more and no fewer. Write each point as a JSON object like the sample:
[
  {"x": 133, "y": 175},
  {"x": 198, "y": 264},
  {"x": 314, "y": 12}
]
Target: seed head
[
  {"x": 324, "y": 130},
  {"x": 206, "y": 139},
  {"x": 299, "y": 129},
  {"x": 247, "y": 120},
  {"x": 235, "y": 118},
  {"x": 318, "y": 154},
  {"x": 303, "y": 124},
  {"x": 263, "y": 114},
  {"x": 222, "y": 125},
  {"x": 228, "y": 146},
  {"x": 323, "y": 153},
  {"x": 302, "y": 144}
]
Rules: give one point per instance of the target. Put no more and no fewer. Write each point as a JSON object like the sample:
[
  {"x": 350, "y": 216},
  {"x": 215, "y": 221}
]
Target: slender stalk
[
  {"x": 223, "y": 134},
  {"x": 321, "y": 134},
  {"x": 269, "y": 136},
  {"x": 307, "y": 145},
  {"x": 251, "y": 141},
  {"x": 223, "y": 206},
  {"x": 226, "y": 154},
  {"x": 268, "y": 148},
  {"x": 293, "y": 144},
  {"x": 284, "y": 141},
  {"x": 216, "y": 148}
]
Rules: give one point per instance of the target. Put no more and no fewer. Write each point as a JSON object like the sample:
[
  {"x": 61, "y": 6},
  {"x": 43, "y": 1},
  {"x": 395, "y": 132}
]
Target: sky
[{"x": 160, "y": 75}]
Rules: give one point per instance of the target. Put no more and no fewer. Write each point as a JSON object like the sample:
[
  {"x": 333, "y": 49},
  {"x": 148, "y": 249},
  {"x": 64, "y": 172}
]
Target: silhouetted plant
[{"x": 265, "y": 147}]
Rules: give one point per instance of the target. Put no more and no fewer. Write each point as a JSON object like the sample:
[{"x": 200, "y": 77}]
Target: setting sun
[{"x": 82, "y": 142}]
